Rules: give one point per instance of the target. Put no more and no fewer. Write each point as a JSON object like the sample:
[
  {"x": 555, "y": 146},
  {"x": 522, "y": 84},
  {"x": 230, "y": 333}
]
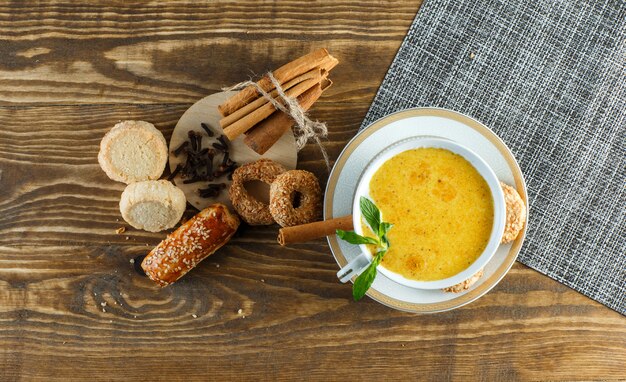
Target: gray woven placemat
[{"x": 549, "y": 77}]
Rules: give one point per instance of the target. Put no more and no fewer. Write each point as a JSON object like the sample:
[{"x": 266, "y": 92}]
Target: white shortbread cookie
[
  {"x": 133, "y": 151},
  {"x": 152, "y": 205}
]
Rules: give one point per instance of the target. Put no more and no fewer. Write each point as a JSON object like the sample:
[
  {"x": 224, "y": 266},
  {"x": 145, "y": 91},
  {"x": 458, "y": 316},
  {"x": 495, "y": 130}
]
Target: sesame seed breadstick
[{"x": 192, "y": 242}]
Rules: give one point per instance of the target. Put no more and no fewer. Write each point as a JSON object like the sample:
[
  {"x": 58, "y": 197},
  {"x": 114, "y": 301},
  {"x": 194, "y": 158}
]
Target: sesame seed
[
  {"x": 194, "y": 316},
  {"x": 240, "y": 311},
  {"x": 132, "y": 261},
  {"x": 472, "y": 55},
  {"x": 103, "y": 303}
]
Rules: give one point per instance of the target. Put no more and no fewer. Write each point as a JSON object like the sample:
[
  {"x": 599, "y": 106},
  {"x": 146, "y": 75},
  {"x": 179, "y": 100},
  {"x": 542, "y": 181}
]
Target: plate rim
[{"x": 520, "y": 185}]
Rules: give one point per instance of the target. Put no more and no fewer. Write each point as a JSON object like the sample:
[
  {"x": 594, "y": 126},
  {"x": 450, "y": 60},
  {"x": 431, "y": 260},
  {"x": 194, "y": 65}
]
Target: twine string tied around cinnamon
[{"x": 305, "y": 128}]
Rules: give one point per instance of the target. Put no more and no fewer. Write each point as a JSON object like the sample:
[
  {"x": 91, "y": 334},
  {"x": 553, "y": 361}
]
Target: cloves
[
  {"x": 175, "y": 172},
  {"x": 207, "y": 129},
  {"x": 180, "y": 148}
]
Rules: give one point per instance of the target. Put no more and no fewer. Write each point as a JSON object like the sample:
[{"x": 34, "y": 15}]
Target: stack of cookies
[{"x": 135, "y": 153}]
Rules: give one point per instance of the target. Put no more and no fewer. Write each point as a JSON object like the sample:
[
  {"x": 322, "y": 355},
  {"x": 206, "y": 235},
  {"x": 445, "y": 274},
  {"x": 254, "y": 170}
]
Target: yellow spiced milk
[{"x": 441, "y": 209}]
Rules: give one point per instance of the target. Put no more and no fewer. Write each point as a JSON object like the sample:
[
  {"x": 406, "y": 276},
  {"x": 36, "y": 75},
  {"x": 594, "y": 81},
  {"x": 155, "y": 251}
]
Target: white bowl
[{"x": 499, "y": 207}]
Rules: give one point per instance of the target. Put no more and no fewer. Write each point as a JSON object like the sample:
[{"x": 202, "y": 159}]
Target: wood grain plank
[
  {"x": 295, "y": 312},
  {"x": 165, "y": 53}
]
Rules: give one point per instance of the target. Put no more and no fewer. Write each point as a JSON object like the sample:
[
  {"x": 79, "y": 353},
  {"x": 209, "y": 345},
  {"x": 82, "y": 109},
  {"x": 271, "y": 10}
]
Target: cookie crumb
[
  {"x": 103, "y": 304},
  {"x": 120, "y": 230},
  {"x": 240, "y": 311},
  {"x": 132, "y": 261},
  {"x": 472, "y": 55}
]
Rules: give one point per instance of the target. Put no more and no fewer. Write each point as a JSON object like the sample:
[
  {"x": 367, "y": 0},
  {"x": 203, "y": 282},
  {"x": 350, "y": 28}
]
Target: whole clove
[
  {"x": 223, "y": 140},
  {"x": 223, "y": 169},
  {"x": 209, "y": 165},
  {"x": 219, "y": 146},
  {"x": 212, "y": 190},
  {"x": 207, "y": 129},
  {"x": 175, "y": 172},
  {"x": 225, "y": 159},
  {"x": 192, "y": 139},
  {"x": 180, "y": 148}
]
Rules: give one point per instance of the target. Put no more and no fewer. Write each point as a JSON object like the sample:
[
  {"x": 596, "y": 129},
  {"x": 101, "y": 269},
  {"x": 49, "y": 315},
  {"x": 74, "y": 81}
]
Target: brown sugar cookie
[
  {"x": 465, "y": 285},
  {"x": 515, "y": 213},
  {"x": 282, "y": 195},
  {"x": 133, "y": 151},
  {"x": 252, "y": 210}
]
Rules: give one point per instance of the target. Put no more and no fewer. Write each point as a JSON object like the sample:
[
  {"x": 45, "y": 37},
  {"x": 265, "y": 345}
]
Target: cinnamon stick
[
  {"x": 310, "y": 231},
  {"x": 264, "y": 135},
  {"x": 316, "y": 73},
  {"x": 246, "y": 123},
  {"x": 318, "y": 58}
]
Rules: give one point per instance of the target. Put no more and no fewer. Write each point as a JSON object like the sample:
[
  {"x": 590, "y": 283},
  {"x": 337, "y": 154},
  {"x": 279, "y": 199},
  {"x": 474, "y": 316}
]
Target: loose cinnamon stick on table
[
  {"x": 316, "y": 73},
  {"x": 318, "y": 58},
  {"x": 310, "y": 231},
  {"x": 264, "y": 135},
  {"x": 246, "y": 123}
]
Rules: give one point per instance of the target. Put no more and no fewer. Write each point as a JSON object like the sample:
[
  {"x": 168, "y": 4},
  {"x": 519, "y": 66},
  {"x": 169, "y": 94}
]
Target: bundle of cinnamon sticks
[{"x": 249, "y": 113}]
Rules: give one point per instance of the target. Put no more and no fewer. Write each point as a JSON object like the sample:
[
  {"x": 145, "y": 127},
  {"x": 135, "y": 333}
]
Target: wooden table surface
[{"x": 69, "y": 72}]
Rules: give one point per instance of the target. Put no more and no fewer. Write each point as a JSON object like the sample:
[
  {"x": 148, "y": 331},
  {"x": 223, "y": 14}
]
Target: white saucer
[{"x": 432, "y": 122}]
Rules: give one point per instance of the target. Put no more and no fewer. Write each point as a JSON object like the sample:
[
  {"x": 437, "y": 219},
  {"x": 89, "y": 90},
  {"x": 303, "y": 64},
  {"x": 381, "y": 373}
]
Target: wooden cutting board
[{"x": 205, "y": 111}]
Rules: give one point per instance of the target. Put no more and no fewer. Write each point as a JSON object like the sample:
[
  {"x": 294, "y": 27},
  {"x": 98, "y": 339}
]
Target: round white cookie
[
  {"x": 152, "y": 205},
  {"x": 133, "y": 151}
]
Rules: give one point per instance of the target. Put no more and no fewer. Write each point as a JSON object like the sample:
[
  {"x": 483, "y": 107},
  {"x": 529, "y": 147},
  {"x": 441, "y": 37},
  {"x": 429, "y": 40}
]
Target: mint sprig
[{"x": 373, "y": 217}]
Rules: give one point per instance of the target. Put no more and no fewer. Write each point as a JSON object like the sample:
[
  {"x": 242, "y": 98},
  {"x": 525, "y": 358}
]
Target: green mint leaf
[
  {"x": 371, "y": 213},
  {"x": 364, "y": 281},
  {"x": 354, "y": 238},
  {"x": 384, "y": 228}
]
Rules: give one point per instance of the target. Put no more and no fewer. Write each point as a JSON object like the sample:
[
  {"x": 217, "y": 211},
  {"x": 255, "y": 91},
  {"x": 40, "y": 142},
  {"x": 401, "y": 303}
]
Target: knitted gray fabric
[{"x": 549, "y": 77}]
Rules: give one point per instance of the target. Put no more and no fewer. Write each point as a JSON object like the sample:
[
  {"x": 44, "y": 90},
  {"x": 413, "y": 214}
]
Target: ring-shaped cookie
[
  {"x": 252, "y": 210},
  {"x": 282, "y": 193}
]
